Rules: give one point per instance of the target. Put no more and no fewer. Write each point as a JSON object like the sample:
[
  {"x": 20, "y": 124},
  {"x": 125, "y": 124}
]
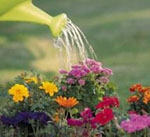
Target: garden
[{"x": 68, "y": 87}]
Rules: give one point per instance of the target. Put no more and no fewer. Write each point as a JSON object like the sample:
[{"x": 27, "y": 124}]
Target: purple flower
[
  {"x": 63, "y": 72},
  {"x": 78, "y": 72},
  {"x": 104, "y": 80},
  {"x": 96, "y": 69},
  {"x": 85, "y": 68},
  {"x": 76, "y": 66},
  {"x": 70, "y": 81},
  {"x": 91, "y": 62},
  {"x": 24, "y": 117},
  {"x": 64, "y": 88},
  {"x": 81, "y": 82},
  {"x": 107, "y": 71}
]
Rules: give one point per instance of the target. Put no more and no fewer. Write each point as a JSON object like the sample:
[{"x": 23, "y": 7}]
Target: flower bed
[{"x": 81, "y": 102}]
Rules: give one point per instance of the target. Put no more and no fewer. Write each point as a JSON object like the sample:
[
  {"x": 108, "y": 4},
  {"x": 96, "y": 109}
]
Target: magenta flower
[
  {"x": 78, "y": 72},
  {"x": 63, "y": 72},
  {"x": 96, "y": 69},
  {"x": 74, "y": 122},
  {"x": 136, "y": 123},
  {"x": 85, "y": 68},
  {"x": 70, "y": 81},
  {"x": 107, "y": 71},
  {"x": 104, "y": 80},
  {"x": 91, "y": 62},
  {"x": 86, "y": 116},
  {"x": 64, "y": 88},
  {"x": 81, "y": 82}
]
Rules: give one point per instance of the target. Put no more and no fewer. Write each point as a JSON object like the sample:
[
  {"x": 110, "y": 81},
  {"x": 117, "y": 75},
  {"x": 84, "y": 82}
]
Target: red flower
[
  {"x": 108, "y": 102},
  {"x": 131, "y": 112},
  {"x": 143, "y": 89},
  {"x": 104, "y": 117},
  {"x": 136, "y": 87},
  {"x": 132, "y": 99}
]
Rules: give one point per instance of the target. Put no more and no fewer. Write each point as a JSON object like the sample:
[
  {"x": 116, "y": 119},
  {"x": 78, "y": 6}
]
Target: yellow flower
[
  {"x": 50, "y": 88},
  {"x": 68, "y": 103},
  {"x": 32, "y": 79},
  {"x": 146, "y": 97},
  {"x": 18, "y": 91}
]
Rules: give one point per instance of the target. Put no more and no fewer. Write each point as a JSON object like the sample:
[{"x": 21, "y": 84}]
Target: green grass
[{"x": 118, "y": 30}]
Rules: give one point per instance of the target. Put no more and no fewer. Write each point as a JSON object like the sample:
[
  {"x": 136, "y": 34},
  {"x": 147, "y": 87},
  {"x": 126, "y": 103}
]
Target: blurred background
[{"x": 118, "y": 30}]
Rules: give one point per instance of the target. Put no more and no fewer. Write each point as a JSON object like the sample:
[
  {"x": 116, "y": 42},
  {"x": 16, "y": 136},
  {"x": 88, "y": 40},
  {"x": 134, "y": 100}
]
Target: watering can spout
[{"x": 25, "y": 11}]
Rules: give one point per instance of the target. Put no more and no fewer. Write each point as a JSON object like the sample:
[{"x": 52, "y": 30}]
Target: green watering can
[{"x": 25, "y": 11}]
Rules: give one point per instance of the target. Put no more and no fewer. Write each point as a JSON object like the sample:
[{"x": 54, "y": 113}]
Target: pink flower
[
  {"x": 81, "y": 82},
  {"x": 91, "y": 62},
  {"x": 85, "y": 68},
  {"x": 87, "y": 118},
  {"x": 96, "y": 69},
  {"x": 107, "y": 71},
  {"x": 64, "y": 88},
  {"x": 86, "y": 114},
  {"x": 63, "y": 72},
  {"x": 135, "y": 123},
  {"x": 104, "y": 80},
  {"x": 131, "y": 112},
  {"x": 78, "y": 72},
  {"x": 70, "y": 81}
]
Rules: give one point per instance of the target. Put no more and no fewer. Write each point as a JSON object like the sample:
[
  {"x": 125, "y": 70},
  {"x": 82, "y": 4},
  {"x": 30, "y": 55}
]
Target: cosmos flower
[
  {"x": 19, "y": 92},
  {"x": 67, "y": 103},
  {"x": 50, "y": 88}
]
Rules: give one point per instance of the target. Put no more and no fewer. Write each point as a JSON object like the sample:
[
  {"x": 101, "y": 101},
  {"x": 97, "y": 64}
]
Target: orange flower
[
  {"x": 146, "y": 97},
  {"x": 132, "y": 99},
  {"x": 135, "y": 87},
  {"x": 144, "y": 89},
  {"x": 68, "y": 103},
  {"x": 56, "y": 118}
]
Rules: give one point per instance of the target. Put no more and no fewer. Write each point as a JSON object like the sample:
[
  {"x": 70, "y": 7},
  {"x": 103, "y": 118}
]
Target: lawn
[{"x": 118, "y": 30}]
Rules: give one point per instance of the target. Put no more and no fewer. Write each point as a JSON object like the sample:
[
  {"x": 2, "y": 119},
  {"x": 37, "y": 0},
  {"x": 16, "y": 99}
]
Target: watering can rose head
[{"x": 25, "y": 11}]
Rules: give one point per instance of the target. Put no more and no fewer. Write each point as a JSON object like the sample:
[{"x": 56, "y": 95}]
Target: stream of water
[{"x": 74, "y": 45}]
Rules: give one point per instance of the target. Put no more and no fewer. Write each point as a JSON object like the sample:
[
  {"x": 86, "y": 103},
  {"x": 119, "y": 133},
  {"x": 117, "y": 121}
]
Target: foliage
[
  {"x": 58, "y": 108},
  {"x": 140, "y": 99},
  {"x": 86, "y": 81}
]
